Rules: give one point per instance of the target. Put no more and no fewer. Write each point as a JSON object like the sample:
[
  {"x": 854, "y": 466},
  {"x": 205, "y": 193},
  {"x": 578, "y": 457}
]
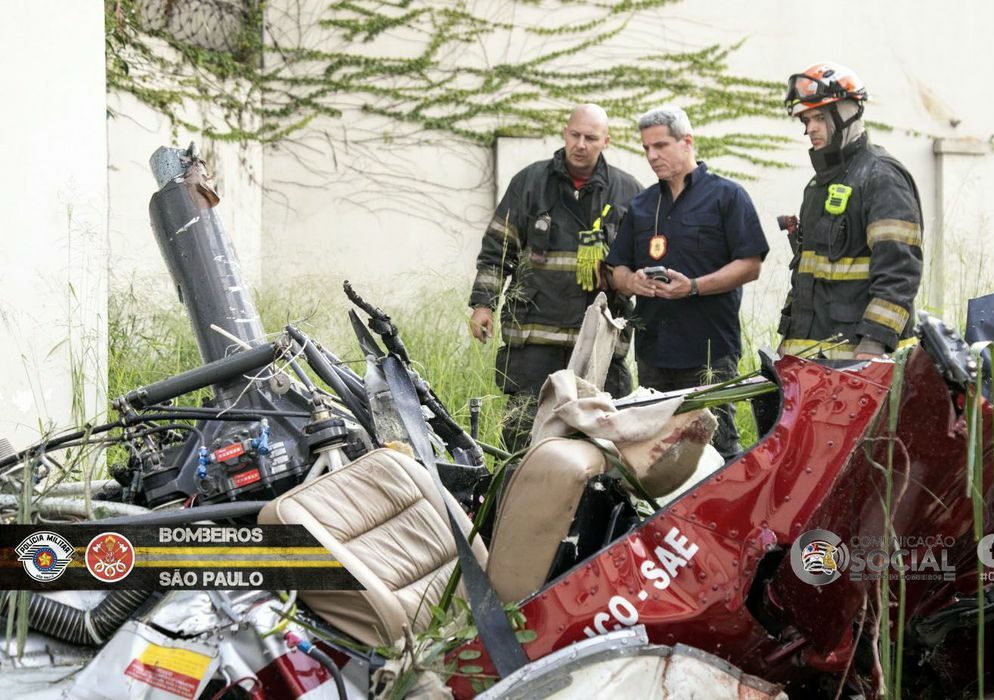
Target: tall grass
[
  {"x": 891, "y": 649},
  {"x": 457, "y": 366},
  {"x": 147, "y": 343},
  {"x": 975, "y": 490},
  {"x": 745, "y": 421}
]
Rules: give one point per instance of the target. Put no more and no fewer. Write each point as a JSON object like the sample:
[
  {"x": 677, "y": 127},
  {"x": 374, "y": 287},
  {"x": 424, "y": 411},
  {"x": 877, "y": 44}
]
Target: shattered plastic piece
[{"x": 140, "y": 662}]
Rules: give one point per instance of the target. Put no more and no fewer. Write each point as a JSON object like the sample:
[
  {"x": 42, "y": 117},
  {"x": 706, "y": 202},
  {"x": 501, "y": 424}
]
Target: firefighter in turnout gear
[
  {"x": 858, "y": 247},
  {"x": 547, "y": 241}
]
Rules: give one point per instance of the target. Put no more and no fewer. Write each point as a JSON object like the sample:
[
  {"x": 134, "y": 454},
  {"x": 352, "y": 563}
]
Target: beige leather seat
[
  {"x": 541, "y": 497},
  {"x": 383, "y": 519},
  {"x": 536, "y": 513}
]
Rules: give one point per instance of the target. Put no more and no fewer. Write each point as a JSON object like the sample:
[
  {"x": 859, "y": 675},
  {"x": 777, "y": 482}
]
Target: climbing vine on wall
[{"x": 470, "y": 69}]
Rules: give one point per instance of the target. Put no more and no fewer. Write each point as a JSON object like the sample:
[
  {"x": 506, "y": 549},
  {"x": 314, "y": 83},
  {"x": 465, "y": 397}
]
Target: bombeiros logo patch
[
  {"x": 110, "y": 557},
  {"x": 45, "y": 555}
]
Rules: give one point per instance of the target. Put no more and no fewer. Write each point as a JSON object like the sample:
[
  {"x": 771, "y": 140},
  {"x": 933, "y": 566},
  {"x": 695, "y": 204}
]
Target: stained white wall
[
  {"x": 397, "y": 211},
  {"x": 391, "y": 216},
  {"x": 361, "y": 206},
  {"x": 134, "y": 132},
  {"x": 919, "y": 61},
  {"x": 53, "y": 199},
  {"x": 962, "y": 265}
]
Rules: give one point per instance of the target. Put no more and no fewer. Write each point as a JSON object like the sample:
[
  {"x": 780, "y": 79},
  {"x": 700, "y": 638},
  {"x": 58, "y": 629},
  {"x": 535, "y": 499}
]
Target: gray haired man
[{"x": 699, "y": 235}]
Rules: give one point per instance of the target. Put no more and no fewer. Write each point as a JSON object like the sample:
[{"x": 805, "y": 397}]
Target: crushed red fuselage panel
[{"x": 686, "y": 572}]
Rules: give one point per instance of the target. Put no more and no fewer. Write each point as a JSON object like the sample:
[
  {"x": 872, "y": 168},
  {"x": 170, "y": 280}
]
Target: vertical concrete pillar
[{"x": 958, "y": 252}]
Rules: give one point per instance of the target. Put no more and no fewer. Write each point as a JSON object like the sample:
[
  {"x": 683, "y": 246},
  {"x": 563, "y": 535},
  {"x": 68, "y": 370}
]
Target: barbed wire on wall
[{"x": 211, "y": 25}]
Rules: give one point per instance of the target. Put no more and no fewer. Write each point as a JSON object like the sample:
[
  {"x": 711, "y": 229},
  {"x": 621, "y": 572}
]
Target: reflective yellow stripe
[
  {"x": 907, "y": 342},
  {"x": 886, "y": 314},
  {"x": 810, "y": 348},
  {"x": 540, "y": 334},
  {"x": 505, "y": 232},
  {"x": 893, "y": 230},
  {"x": 489, "y": 280},
  {"x": 555, "y": 260},
  {"x": 236, "y": 563},
  {"x": 842, "y": 269}
]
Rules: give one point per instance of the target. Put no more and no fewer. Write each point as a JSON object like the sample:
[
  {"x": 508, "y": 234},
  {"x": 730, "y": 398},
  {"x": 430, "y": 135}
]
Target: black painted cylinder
[{"x": 204, "y": 268}]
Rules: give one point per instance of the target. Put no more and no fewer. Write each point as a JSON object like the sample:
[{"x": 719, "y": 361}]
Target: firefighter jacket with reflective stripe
[
  {"x": 856, "y": 271},
  {"x": 533, "y": 240}
]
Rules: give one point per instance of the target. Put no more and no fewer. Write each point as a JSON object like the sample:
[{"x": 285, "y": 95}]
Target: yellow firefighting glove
[{"x": 590, "y": 252}]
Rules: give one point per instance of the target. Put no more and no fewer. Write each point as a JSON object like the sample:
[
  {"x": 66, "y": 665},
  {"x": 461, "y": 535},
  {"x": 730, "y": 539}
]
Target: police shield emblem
[
  {"x": 45, "y": 555},
  {"x": 657, "y": 246}
]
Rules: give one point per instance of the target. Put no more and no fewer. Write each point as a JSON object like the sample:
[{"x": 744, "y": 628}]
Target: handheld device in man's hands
[{"x": 657, "y": 272}]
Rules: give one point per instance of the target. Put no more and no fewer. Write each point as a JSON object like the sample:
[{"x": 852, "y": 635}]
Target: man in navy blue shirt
[{"x": 704, "y": 231}]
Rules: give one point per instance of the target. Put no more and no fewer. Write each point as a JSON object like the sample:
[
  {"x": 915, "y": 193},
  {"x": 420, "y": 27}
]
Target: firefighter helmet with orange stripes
[{"x": 823, "y": 84}]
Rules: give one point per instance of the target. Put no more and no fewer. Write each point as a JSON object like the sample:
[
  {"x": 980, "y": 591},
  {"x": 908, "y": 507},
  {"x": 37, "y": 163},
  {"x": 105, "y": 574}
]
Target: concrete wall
[
  {"x": 396, "y": 209},
  {"x": 362, "y": 205},
  {"x": 919, "y": 62},
  {"x": 134, "y": 132},
  {"x": 390, "y": 217},
  {"x": 961, "y": 263},
  {"x": 53, "y": 271}
]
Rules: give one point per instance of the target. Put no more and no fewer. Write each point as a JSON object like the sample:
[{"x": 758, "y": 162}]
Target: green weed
[{"x": 147, "y": 343}]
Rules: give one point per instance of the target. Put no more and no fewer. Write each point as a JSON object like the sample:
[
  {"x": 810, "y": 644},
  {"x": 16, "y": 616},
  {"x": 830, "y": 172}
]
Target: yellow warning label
[{"x": 189, "y": 663}]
